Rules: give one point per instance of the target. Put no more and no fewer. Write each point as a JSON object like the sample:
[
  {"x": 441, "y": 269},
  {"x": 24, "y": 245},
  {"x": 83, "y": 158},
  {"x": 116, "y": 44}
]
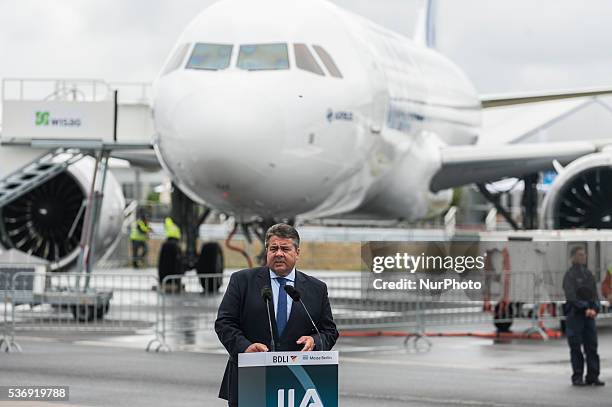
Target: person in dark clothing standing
[
  {"x": 170, "y": 262},
  {"x": 581, "y": 308}
]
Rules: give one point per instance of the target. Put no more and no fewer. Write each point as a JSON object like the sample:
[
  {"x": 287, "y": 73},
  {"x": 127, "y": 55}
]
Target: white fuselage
[{"x": 282, "y": 143}]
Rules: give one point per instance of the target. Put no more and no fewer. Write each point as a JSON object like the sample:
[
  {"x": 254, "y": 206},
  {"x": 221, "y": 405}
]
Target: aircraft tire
[
  {"x": 88, "y": 313},
  {"x": 210, "y": 262},
  {"x": 505, "y": 314}
]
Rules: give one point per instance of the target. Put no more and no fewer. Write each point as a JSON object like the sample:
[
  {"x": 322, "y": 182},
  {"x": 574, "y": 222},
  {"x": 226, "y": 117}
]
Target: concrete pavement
[{"x": 116, "y": 371}]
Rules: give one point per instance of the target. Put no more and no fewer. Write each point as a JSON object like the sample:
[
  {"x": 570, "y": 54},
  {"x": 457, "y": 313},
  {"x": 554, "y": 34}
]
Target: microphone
[
  {"x": 297, "y": 297},
  {"x": 266, "y": 294}
]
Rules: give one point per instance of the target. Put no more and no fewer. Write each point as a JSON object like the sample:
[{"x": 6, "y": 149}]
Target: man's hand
[
  {"x": 256, "y": 347},
  {"x": 308, "y": 342},
  {"x": 590, "y": 313}
]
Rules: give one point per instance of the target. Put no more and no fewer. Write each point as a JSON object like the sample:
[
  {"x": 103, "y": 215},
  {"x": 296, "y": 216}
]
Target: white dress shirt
[{"x": 276, "y": 287}]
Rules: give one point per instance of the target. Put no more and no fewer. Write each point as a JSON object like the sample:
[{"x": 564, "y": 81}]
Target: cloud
[
  {"x": 502, "y": 45},
  {"x": 522, "y": 45},
  {"x": 111, "y": 39}
]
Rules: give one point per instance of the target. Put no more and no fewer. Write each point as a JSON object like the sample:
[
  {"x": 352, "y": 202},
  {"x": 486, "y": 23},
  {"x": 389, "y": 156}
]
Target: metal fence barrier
[
  {"x": 9, "y": 298},
  {"x": 74, "y": 302},
  {"x": 6, "y": 341},
  {"x": 188, "y": 309},
  {"x": 183, "y": 308},
  {"x": 526, "y": 303}
]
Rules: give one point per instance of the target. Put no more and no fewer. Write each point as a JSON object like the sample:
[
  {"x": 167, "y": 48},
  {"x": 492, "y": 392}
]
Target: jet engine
[
  {"x": 48, "y": 220},
  {"x": 581, "y": 195}
]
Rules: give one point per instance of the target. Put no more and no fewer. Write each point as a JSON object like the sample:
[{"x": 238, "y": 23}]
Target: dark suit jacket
[
  {"x": 242, "y": 320},
  {"x": 580, "y": 291}
]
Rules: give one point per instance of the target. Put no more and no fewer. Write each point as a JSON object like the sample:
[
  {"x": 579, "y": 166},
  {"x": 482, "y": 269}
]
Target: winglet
[{"x": 425, "y": 30}]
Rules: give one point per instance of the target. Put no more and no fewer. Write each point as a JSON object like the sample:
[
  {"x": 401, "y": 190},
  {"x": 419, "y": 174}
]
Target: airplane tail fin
[{"x": 425, "y": 29}]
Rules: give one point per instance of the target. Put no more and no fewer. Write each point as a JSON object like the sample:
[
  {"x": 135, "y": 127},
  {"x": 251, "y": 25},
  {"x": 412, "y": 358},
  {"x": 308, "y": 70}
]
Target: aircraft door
[{"x": 379, "y": 99}]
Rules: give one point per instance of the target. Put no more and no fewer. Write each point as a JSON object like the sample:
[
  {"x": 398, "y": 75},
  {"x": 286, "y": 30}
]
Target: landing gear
[
  {"x": 170, "y": 261},
  {"x": 494, "y": 199},
  {"x": 210, "y": 262},
  {"x": 503, "y": 316},
  {"x": 186, "y": 214},
  {"x": 88, "y": 313},
  {"x": 189, "y": 216},
  {"x": 529, "y": 203}
]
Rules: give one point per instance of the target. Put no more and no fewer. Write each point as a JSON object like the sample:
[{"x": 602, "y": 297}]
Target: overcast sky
[{"x": 504, "y": 46}]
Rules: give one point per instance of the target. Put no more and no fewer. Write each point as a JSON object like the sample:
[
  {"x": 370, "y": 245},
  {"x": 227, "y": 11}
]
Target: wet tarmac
[{"x": 109, "y": 366}]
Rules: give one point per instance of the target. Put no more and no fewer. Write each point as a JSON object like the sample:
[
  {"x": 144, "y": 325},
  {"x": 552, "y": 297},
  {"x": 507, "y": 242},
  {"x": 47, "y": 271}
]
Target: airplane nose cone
[
  {"x": 225, "y": 139},
  {"x": 229, "y": 123}
]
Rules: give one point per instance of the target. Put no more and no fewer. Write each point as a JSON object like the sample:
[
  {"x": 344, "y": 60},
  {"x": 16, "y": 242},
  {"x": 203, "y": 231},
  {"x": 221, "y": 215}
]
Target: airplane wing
[
  {"x": 463, "y": 165},
  {"x": 488, "y": 101},
  {"x": 500, "y": 153},
  {"x": 513, "y": 124}
]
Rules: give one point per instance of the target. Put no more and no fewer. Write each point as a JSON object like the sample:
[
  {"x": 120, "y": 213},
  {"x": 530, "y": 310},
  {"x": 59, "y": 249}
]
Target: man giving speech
[{"x": 242, "y": 323}]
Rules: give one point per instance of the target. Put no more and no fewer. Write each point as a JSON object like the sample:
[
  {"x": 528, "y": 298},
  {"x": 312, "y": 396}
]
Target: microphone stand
[
  {"x": 266, "y": 293},
  {"x": 297, "y": 297},
  {"x": 273, "y": 343},
  {"x": 313, "y": 324}
]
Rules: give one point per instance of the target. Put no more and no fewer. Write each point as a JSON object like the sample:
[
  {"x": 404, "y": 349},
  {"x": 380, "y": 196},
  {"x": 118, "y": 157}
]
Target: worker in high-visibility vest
[
  {"x": 170, "y": 262},
  {"x": 139, "y": 236},
  {"x": 606, "y": 285},
  {"x": 172, "y": 230}
]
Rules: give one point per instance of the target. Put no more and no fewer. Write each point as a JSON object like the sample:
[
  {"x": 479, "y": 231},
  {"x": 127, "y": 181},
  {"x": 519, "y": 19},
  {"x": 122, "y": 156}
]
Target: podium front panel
[{"x": 288, "y": 379}]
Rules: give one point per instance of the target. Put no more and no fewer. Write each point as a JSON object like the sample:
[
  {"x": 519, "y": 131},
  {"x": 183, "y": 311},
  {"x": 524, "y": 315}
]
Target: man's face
[
  {"x": 281, "y": 255},
  {"x": 580, "y": 257}
]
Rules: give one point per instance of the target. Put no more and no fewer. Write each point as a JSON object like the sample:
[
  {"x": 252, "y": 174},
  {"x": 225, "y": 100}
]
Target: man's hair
[
  {"x": 283, "y": 231},
  {"x": 575, "y": 250}
]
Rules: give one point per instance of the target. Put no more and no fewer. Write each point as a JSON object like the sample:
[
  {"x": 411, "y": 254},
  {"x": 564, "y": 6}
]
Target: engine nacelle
[
  {"x": 581, "y": 195},
  {"x": 47, "y": 221}
]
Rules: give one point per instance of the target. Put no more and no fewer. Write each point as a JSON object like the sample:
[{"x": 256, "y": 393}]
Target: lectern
[{"x": 288, "y": 379}]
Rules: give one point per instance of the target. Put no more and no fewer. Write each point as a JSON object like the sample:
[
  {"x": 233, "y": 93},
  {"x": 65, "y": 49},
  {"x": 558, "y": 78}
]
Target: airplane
[{"x": 297, "y": 109}]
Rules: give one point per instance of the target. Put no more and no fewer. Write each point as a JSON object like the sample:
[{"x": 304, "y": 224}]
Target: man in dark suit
[
  {"x": 581, "y": 308},
  {"x": 242, "y": 321}
]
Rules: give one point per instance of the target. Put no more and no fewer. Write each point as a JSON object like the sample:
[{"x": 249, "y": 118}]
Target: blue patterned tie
[{"x": 281, "y": 315}]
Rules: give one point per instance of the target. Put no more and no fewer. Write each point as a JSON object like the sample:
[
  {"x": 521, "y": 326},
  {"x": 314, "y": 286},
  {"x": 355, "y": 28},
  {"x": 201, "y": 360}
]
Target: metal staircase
[{"x": 36, "y": 173}]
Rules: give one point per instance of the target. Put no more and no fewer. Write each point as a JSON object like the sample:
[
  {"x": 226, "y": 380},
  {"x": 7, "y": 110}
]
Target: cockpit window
[
  {"x": 304, "y": 59},
  {"x": 327, "y": 61},
  {"x": 178, "y": 56},
  {"x": 210, "y": 56},
  {"x": 263, "y": 57}
]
